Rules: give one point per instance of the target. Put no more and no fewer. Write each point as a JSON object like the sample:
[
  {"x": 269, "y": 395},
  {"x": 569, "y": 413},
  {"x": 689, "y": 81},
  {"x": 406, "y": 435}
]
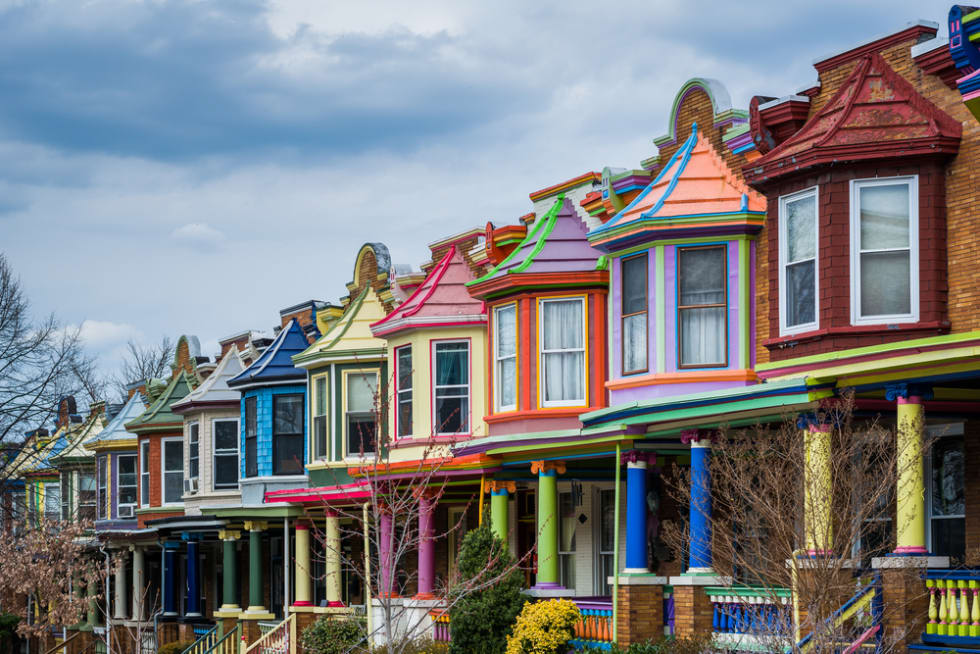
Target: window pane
[
  {"x": 506, "y": 331},
  {"x": 949, "y": 538},
  {"x": 405, "y": 417},
  {"x": 562, "y": 324},
  {"x": 250, "y": 417},
  {"x": 800, "y": 300},
  {"x": 251, "y": 456},
  {"x": 563, "y": 376},
  {"x": 452, "y": 415},
  {"x": 801, "y": 233},
  {"x": 703, "y": 336},
  {"x": 634, "y": 284},
  {"x": 288, "y": 414},
  {"x": 507, "y": 381},
  {"x": 885, "y": 284},
  {"x": 226, "y": 435},
  {"x": 173, "y": 455},
  {"x": 607, "y": 531},
  {"x": 947, "y": 478},
  {"x": 320, "y": 436},
  {"x": 321, "y": 396},
  {"x": 172, "y": 487},
  {"x": 226, "y": 471},
  {"x": 361, "y": 432},
  {"x": 404, "y": 368},
  {"x": 361, "y": 388},
  {"x": 452, "y": 364},
  {"x": 288, "y": 455},
  {"x": 702, "y": 276},
  {"x": 635, "y": 342},
  {"x": 884, "y": 217}
]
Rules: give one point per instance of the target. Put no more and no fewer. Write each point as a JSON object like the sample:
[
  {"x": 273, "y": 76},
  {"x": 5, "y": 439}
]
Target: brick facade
[
  {"x": 641, "y": 614},
  {"x": 693, "y": 612}
]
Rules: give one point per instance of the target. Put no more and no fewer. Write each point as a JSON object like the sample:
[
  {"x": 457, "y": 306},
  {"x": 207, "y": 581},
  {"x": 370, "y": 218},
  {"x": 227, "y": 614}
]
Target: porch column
[
  {"x": 193, "y": 578},
  {"x": 255, "y": 595},
  {"x": 229, "y": 567},
  {"x": 427, "y": 549},
  {"x": 119, "y": 599},
  {"x": 333, "y": 559},
  {"x": 700, "y": 504},
  {"x": 910, "y": 498},
  {"x": 139, "y": 583},
  {"x": 636, "y": 512},
  {"x": 499, "y": 498},
  {"x": 92, "y": 614},
  {"x": 547, "y": 577},
  {"x": 386, "y": 535},
  {"x": 304, "y": 571},
  {"x": 170, "y": 574},
  {"x": 817, "y": 486}
]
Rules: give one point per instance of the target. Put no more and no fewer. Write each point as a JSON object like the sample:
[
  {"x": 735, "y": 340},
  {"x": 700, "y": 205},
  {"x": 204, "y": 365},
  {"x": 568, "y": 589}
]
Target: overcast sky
[{"x": 176, "y": 167}]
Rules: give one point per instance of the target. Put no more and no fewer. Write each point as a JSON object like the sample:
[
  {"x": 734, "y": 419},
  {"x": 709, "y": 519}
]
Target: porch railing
[
  {"x": 595, "y": 629},
  {"x": 205, "y": 641},
  {"x": 954, "y": 607},
  {"x": 748, "y": 618},
  {"x": 228, "y": 643},
  {"x": 63, "y": 645},
  {"x": 440, "y": 625},
  {"x": 281, "y": 639},
  {"x": 855, "y": 625}
]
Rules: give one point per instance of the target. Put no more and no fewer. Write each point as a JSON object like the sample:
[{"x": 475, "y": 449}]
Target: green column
[
  {"x": 499, "y": 497},
  {"x": 230, "y": 567},
  {"x": 92, "y": 618},
  {"x": 547, "y": 577},
  {"x": 255, "y": 568}
]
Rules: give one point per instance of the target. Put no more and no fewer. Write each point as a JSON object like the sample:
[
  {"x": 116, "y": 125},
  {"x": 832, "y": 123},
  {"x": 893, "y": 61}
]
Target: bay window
[
  {"x": 798, "y": 275},
  {"x": 287, "y": 434},
  {"x": 251, "y": 438},
  {"x": 505, "y": 357},
  {"x": 126, "y": 482},
  {"x": 702, "y": 306},
  {"x": 320, "y": 444},
  {"x": 86, "y": 496},
  {"x": 451, "y": 387},
  {"x": 225, "y": 434},
  {"x": 562, "y": 362},
  {"x": 634, "y": 313},
  {"x": 403, "y": 359},
  {"x": 172, "y": 470},
  {"x": 360, "y": 418},
  {"x": 194, "y": 455},
  {"x": 145, "y": 473},
  {"x": 103, "y": 489},
  {"x": 884, "y": 250}
]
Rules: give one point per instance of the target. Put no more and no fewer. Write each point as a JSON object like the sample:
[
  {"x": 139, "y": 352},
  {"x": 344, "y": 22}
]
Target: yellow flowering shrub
[{"x": 544, "y": 628}]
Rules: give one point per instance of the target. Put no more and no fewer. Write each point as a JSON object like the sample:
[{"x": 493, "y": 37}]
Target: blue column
[
  {"x": 170, "y": 574},
  {"x": 636, "y": 513},
  {"x": 700, "y": 505},
  {"x": 193, "y": 580}
]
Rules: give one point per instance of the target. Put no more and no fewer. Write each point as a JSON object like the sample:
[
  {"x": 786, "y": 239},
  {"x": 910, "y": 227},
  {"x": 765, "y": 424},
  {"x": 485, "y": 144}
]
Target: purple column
[
  {"x": 427, "y": 549},
  {"x": 385, "y": 545}
]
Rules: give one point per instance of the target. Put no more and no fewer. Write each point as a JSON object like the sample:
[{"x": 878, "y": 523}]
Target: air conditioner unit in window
[
  {"x": 127, "y": 510},
  {"x": 190, "y": 485}
]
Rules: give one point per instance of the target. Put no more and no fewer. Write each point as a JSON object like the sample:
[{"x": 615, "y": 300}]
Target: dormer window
[
  {"x": 562, "y": 361},
  {"x": 634, "y": 311},
  {"x": 798, "y": 279},
  {"x": 884, "y": 250},
  {"x": 702, "y": 305}
]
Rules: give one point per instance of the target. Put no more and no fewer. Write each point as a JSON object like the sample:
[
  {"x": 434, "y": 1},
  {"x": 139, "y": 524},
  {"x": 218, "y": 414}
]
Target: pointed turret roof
[
  {"x": 159, "y": 416},
  {"x": 275, "y": 364},
  {"x": 115, "y": 433},
  {"x": 876, "y": 114},
  {"x": 214, "y": 391}
]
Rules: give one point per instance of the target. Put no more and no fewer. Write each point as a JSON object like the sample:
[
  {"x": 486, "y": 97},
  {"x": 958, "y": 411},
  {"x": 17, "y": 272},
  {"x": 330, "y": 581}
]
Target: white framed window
[
  {"x": 505, "y": 357},
  {"x": 126, "y": 481},
  {"x": 145, "y": 473},
  {"x": 945, "y": 467},
  {"x": 403, "y": 390},
  {"x": 287, "y": 434},
  {"x": 702, "y": 306},
  {"x": 799, "y": 278},
  {"x": 321, "y": 445},
  {"x": 884, "y": 250},
  {"x": 224, "y": 431},
  {"x": 52, "y": 501},
  {"x": 194, "y": 449},
  {"x": 86, "y": 496},
  {"x": 66, "y": 493},
  {"x": 634, "y": 277},
  {"x": 451, "y": 387},
  {"x": 562, "y": 361},
  {"x": 360, "y": 415},
  {"x": 172, "y": 470},
  {"x": 103, "y": 489}
]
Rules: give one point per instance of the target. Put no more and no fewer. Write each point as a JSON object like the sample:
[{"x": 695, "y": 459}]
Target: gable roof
[
  {"x": 441, "y": 300},
  {"x": 351, "y": 336},
  {"x": 76, "y": 449},
  {"x": 159, "y": 415},
  {"x": 215, "y": 390},
  {"x": 275, "y": 364},
  {"x": 115, "y": 432},
  {"x": 876, "y": 114}
]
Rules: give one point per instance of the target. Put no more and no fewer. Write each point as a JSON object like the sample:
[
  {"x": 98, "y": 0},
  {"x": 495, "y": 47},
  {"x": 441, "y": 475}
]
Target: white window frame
[
  {"x": 855, "y": 242},
  {"x": 469, "y": 385},
  {"x": 542, "y": 382},
  {"x": 356, "y": 456},
  {"x": 103, "y": 506},
  {"x": 117, "y": 471},
  {"x": 936, "y": 432},
  {"x": 191, "y": 441},
  {"x": 782, "y": 237},
  {"x": 404, "y": 395},
  {"x": 163, "y": 470},
  {"x": 215, "y": 453},
  {"x": 498, "y": 359}
]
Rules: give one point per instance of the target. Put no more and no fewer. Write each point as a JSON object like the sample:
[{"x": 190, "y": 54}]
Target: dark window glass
[
  {"x": 452, "y": 388},
  {"x": 634, "y": 312},
  {"x": 405, "y": 391},
  {"x": 287, "y": 434},
  {"x": 225, "y": 453},
  {"x": 321, "y": 447},
  {"x": 126, "y": 480},
  {"x": 173, "y": 471},
  {"x": 251, "y": 439},
  {"x": 948, "y": 499},
  {"x": 195, "y": 450}
]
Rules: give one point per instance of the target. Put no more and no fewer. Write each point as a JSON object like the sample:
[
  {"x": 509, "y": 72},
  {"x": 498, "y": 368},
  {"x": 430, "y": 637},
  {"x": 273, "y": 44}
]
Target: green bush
[
  {"x": 175, "y": 647},
  {"x": 481, "y": 621},
  {"x": 419, "y": 646},
  {"x": 666, "y": 645},
  {"x": 326, "y": 636}
]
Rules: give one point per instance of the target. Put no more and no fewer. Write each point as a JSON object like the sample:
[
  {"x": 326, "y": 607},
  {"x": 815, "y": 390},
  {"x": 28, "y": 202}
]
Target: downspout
[
  {"x": 367, "y": 575},
  {"x": 615, "y": 597}
]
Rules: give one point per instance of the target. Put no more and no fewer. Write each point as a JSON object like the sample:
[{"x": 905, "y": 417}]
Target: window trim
[
  {"x": 274, "y": 435},
  {"x": 399, "y": 390},
  {"x": 163, "y": 470},
  {"x": 433, "y": 346},
  {"x": 623, "y": 315},
  {"x": 939, "y": 431},
  {"x": 542, "y": 402},
  {"x": 855, "y": 234},
  {"x": 215, "y": 454},
  {"x": 783, "y": 246},
  {"x": 346, "y": 379},
  {"x": 679, "y": 307},
  {"x": 119, "y": 486},
  {"x": 316, "y": 382},
  {"x": 497, "y": 359},
  {"x": 254, "y": 400},
  {"x": 190, "y": 442},
  {"x": 102, "y": 484}
]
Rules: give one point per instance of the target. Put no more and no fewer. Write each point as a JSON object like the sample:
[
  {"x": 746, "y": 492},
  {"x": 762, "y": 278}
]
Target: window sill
[
  {"x": 940, "y": 326},
  {"x": 543, "y": 412},
  {"x": 683, "y": 377},
  {"x": 441, "y": 439}
]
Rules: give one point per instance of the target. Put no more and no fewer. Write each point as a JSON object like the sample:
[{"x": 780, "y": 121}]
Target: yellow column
[
  {"x": 910, "y": 499},
  {"x": 818, "y": 488},
  {"x": 333, "y": 560},
  {"x": 304, "y": 571}
]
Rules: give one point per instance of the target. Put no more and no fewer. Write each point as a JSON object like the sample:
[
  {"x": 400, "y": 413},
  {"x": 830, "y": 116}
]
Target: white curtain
[
  {"x": 635, "y": 342},
  {"x": 702, "y": 328},
  {"x": 564, "y": 357},
  {"x": 506, "y": 338},
  {"x": 703, "y": 336}
]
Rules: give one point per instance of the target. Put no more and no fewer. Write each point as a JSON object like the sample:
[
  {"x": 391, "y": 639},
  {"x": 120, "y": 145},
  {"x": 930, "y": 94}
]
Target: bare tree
[{"x": 142, "y": 362}]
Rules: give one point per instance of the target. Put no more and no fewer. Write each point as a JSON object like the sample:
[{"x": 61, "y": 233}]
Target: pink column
[
  {"x": 427, "y": 550},
  {"x": 386, "y": 537}
]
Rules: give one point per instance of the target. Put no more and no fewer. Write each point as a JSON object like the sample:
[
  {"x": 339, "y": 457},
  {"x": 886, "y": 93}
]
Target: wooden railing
[
  {"x": 205, "y": 641},
  {"x": 281, "y": 639},
  {"x": 595, "y": 629},
  {"x": 440, "y": 625},
  {"x": 228, "y": 643},
  {"x": 954, "y": 607},
  {"x": 857, "y": 624},
  {"x": 748, "y": 618}
]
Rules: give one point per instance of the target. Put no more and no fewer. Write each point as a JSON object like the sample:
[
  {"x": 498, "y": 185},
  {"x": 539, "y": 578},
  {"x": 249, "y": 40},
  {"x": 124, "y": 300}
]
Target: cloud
[
  {"x": 99, "y": 334},
  {"x": 200, "y": 236}
]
